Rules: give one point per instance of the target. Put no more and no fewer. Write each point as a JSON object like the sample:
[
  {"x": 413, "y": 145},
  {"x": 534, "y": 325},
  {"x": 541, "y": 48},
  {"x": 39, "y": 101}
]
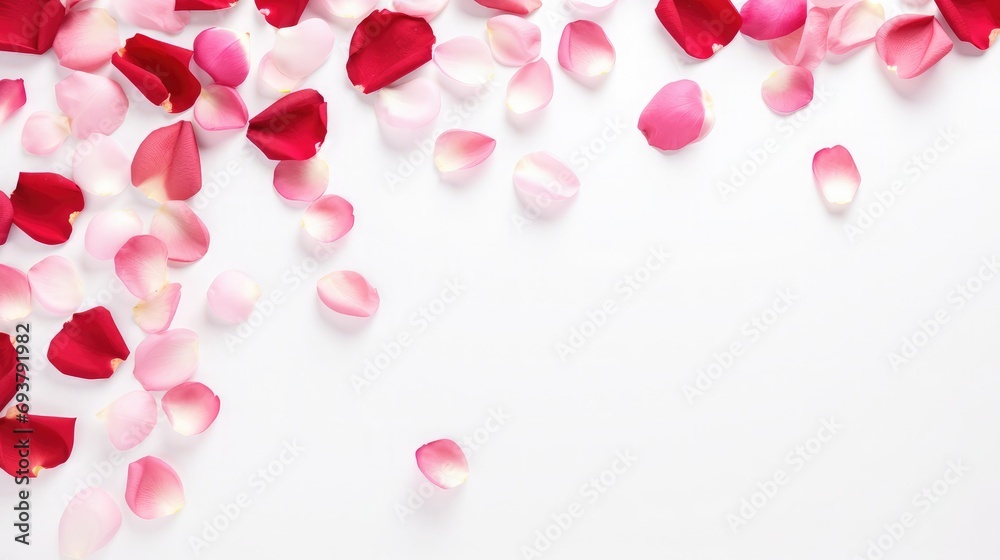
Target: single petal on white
[
  {"x": 15, "y": 294},
  {"x": 466, "y": 60},
  {"x": 530, "y": 89},
  {"x": 220, "y": 108},
  {"x": 109, "y": 230},
  {"x": 303, "y": 181},
  {"x": 190, "y": 408},
  {"x": 301, "y": 49},
  {"x": 167, "y": 359},
  {"x": 455, "y": 150},
  {"x": 541, "y": 175},
  {"x": 514, "y": 40},
  {"x": 409, "y": 105},
  {"x": 56, "y": 285},
  {"x": 232, "y": 296},
  {"x": 91, "y": 519},
  {"x": 155, "y": 313},
  {"x": 130, "y": 419},
  {"x": 101, "y": 167},
  {"x": 44, "y": 132}
]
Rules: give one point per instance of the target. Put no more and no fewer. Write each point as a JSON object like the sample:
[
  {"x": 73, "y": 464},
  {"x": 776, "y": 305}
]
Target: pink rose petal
[
  {"x": 129, "y": 419},
  {"x": 6, "y": 217},
  {"x": 829, "y": 4},
  {"x": 521, "y": 7},
  {"x": 270, "y": 76},
  {"x": 466, "y": 60},
  {"x": 443, "y": 463},
  {"x": 300, "y": 50},
  {"x": 303, "y": 181},
  {"x": 190, "y": 408},
  {"x": 329, "y": 218},
  {"x": 152, "y": 14},
  {"x": 770, "y": 19},
  {"x": 590, "y": 8},
  {"x": 167, "y": 165},
  {"x": 56, "y": 285},
  {"x": 92, "y": 103},
  {"x": 153, "y": 489},
  {"x": 100, "y": 166},
  {"x": 855, "y": 25},
  {"x": 155, "y": 313},
  {"x": 90, "y": 521},
  {"x": 12, "y": 97},
  {"x": 679, "y": 114},
  {"x": 427, "y": 9},
  {"x": 788, "y": 89},
  {"x": 349, "y": 9},
  {"x": 223, "y": 54},
  {"x": 910, "y": 44},
  {"x": 455, "y": 150},
  {"x": 141, "y": 264},
  {"x": 806, "y": 46},
  {"x": 348, "y": 293},
  {"x": 109, "y": 230},
  {"x": 585, "y": 49},
  {"x": 530, "y": 89},
  {"x": 409, "y": 105},
  {"x": 181, "y": 230},
  {"x": 87, "y": 39},
  {"x": 514, "y": 40},
  {"x": 837, "y": 176},
  {"x": 44, "y": 133},
  {"x": 541, "y": 175},
  {"x": 220, "y": 108},
  {"x": 15, "y": 294},
  {"x": 232, "y": 296},
  {"x": 165, "y": 360}
]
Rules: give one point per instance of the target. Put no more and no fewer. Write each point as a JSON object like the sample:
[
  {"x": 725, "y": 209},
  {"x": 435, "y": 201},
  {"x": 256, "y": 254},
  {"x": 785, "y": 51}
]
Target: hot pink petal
[
  {"x": 443, "y": 463},
  {"x": 223, "y": 54},
  {"x": 191, "y": 408},
  {"x": 788, "y": 89},
  {"x": 590, "y": 7},
  {"x": 92, "y": 103},
  {"x": 973, "y": 21},
  {"x": 56, "y": 285},
  {"x": 141, "y": 264},
  {"x": 679, "y": 114},
  {"x": 12, "y": 97},
  {"x": 455, "y": 150},
  {"x": 329, "y": 218},
  {"x": 15, "y": 294},
  {"x": 837, "y": 176},
  {"x": 521, "y": 7},
  {"x": 181, "y": 230},
  {"x": 770, "y": 19},
  {"x": 300, "y": 50},
  {"x": 90, "y": 521},
  {"x": 100, "y": 166},
  {"x": 806, "y": 46},
  {"x": 6, "y": 217},
  {"x": 530, "y": 89},
  {"x": 409, "y": 105},
  {"x": 427, "y": 9},
  {"x": 130, "y": 419},
  {"x": 302, "y": 180},
  {"x": 155, "y": 313},
  {"x": 514, "y": 40},
  {"x": 910, "y": 44},
  {"x": 167, "y": 359},
  {"x": 270, "y": 76},
  {"x": 466, "y": 60},
  {"x": 153, "y": 489},
  {"x": 152, "y": 14},
  {"x": 220, "y": 108},
  {"x": 44, "y": 133},
  {"x": 109, "y": 230},
  {"x": 585, "y": 49},
  {"x": 87, "y": 39},
  {"x": 349, "y": 9},
  {"x": 348, "y": 293},
  {"x": 855, "y": 25},
  {"x": 541, "y": 175},
  {"x": 232, "y": 296},
  {"x": 167, "y": 165},
  {"x": 700, "y": 28}
]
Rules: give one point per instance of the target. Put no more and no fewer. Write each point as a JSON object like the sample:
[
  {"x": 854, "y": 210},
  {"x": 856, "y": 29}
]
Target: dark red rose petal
[
  {"x": 29, "y": 26},
  {"x": 281, "y": 13},
  {"x": 160, "y": 71},
  {"x": 203, "y": 5},
  {"x": 167, "y": 165},
  {"x": 45, "y": 205},
  {"x": 293, "y": 128},
  {"x": 700, "y": 27},
  {"x": 8, "y": 369},
  {"x": 50, "y": 442},
  {"x": 387, "y": 46},
  {"x": 89, "y": 345},
  {"x": 973, "y": 21},
  {"x": 6, "y": 217}
]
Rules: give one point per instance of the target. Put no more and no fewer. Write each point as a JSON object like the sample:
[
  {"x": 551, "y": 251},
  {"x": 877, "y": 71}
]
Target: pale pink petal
[
  {"x": 855, "y": 25},
  {"x": 56, "y": 285},
  {"x": 806, "y": 46},
  {"x": 270, "y": 76},
  {"x": 910, "y": 44},
  {"x": 43, "y": 133},
  {"x": 837, "y": 176},
  {"x": 165, "y": 360},
  {"x": 223, "y": 54},
  {"x": 153, "y": 489},
  {"x": 190, "y": 408},
  {"x": 90, "y": 521},
  {"x": 92, "y": 103},
  {"x": 300, "y": 50},
  {"x": 349, "y": 9},
  {"x": 181, "y": 230},
  {"x": 152, "y": 14},
  {"x": 155, "y": 313},
  {"x": 679, "y": 114},
  {"x": 409, "y": 105},
  {"x": 466, "y": 60},
  {"x": 101, "y": 167},
  {"x": 86, "y": 39},
  {"x": 232, "y": 296},
  {"x": 303, "y": 181},
  {"x": 329, "y": 218},
  {"x": 590, "y": 7},
  {"x": 443, "y": 463},
  {"x": 109, "y": 230},
  {"x": 130, "y": 419},
  {"x": 427, "y": 9},
  {"x": 514, "y": 40},
  {"x": 829, "y": 3},
  {"x": 455, "y": 150},
  {"x": 770, "y": 19},
  {"x": 541, "y": 175},
  {"x": 348, "y": 293},
  {"x": 141, "y": 264},
  {"x": 220, "y": 108},
  {"x": 530, "y": 89},
  {"x": 788, "y": 89},
  {"x": 585, "y": 49},
  {"x": 15, "y": 294},
  {"x": 12, "y": 97}
]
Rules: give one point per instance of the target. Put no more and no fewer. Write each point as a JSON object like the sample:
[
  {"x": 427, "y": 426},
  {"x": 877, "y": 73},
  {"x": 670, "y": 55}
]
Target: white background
[{"x": 527, "y": 287}]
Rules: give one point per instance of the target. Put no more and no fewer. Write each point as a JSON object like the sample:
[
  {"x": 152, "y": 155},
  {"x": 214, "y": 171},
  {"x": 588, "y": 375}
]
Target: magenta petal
[
  {"x": 530, "y": 88},
  {"x": 190, "y": 408},
  {"x": 443, "y": 463},
  {"x": 455, "y": 150},
  {"x": 788, "y": 89},
  {"x": 348, "y": 292},
  {"x": 770, "y": 19},
  {"x": 130, "y": 419},
  {"x": 679, "y": 114},
  {"x": 329, "y": 218},
  {"x": 910, "y": 44},
  {"x": 6, "y": 217},
  {"x": 90, "y": 521},
  {"x": 153, "y": 489},
  {"x": 224, "y": 55},
  {"x": 167, "y": 359},
  {"x": 87, "y": 39},
  {"x": 837, "y": 176},
  {"x": 12, "y": 97}
]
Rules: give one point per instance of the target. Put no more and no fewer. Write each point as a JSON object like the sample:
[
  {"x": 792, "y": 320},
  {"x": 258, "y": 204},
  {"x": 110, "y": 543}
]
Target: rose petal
[
  {"x": 837, "y": 176},
  {"x": 56, "y": 285},
  {"x": 51, "y": 442},
  {"x": 6, "y": 217},
  {"x": 232, "y": 296},
  {"x": 830, "y": 4},
  {"x": 521, "y": 7},
  {"x": 270, "y": 76},
  {"x": 387, "y": 46},
  {"x": 409, "y": 105},
  {"x": 153, "y": 489},
  {"x": 585, "y": 49},
  {"x": 300, "y": 50},
  {"x": 9, "y": 369},
  {"x": 191, "y": 408},
  {"x": 180, "y": 229},
  {"x": 129, "y": 419},
  {"x": 530, "y": 88},
  {"x": 427, "y": 9},
  {"x": 88, "y": 346},
  {"x": 220, "y": 108},
  {"x": 160, "y": 72},
  {"x": 109, "y": 230},
  {"x": 294, "y": 127},
  {"x": 910, "y": 44},
  {"x": 348, "y": 293},
  {"x": 100, "y": 166},
  {"x": 15, "y": 294},
  {"x": 770, "y": 19},
  {"x": 855, "y": 25},
  {"x": 44, "y": 133},
  {"x": 701, "y": 28},
  {"x": 455, "y": 150},
  {"x": 590, "y": 7},
  {"x": 204, "y": 5},
  {"x": 87, "y": 39},
  {"x": 141, "y": 264},
  {"x": 514, "y": 40},
  {"x": 90, "y": 521},
  {"x": 12, "y": 97},
  {"x": 167, "y": 165},
  {"x": 45, "y": 206},
  {"x": 165, "y": 360},
  {"x": 155, "y": 313},
  {"x": 466, "y": 60},
  {"x": 329, "y": 218},
  {"x": 152, "y": 14},
  {"x": 541, "y": 175},
  {"x": 973, "y": 21},
  {"x": 806, "y": 46},
  {"x": 281, "y": 13},
  {"x": 302, "y": 180},
  {"x": 788, "y": 89},
  {"x": 29, "y": 26},
  {"x": 443, "y": 463},
  {"x": 224, "y": 55},
  {"x": 349, "y": 9},
  {"x": 679, "y": 114}
]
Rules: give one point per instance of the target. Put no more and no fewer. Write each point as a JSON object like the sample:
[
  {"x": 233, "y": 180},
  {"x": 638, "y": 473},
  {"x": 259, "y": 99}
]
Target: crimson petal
[
  {"x": 700, "y": 27},
  {"x": 29, "y": 26},
  {"x": 8, "y": 369},
  {"x": 203, "y": 5},
  {"x": 89, "y": 346},
  {"x": 973, "y": 21},
  {"x": 282, "y": 13},
  {"x": 6, "y": 217},
  {"x": 160, "y": 71},
  {"x": 167, "y": 165},
  {"x": 387, "y": 46},
  {"x": 45, "y": 205},
  {"x": 293, "y": 128},
  {"x": 50, "y": 439}
]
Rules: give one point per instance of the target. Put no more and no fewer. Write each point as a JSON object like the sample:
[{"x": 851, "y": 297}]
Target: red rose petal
[
  {"x": 293, "y": 128},
  {"x": 50, "y": 441},
  {"x": 88, "y": 346},
  {"x": 973, "y": 21},
  {"x": 12, "y": 97},
  {"x": 282, "y": 13},
  {"x": 45, "y": 205},
  {"x": 911, "y": 43},
  {"x": 167, "y": 165},
  {"x": 8, "y": 369},
  {"x": 29, "y": 26},
  {"x": 160, "y": 71},
  {"x": 387, "y": 46},
  {"x": 6, "y": 217},
  {"x": 701, "y": 28}
]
